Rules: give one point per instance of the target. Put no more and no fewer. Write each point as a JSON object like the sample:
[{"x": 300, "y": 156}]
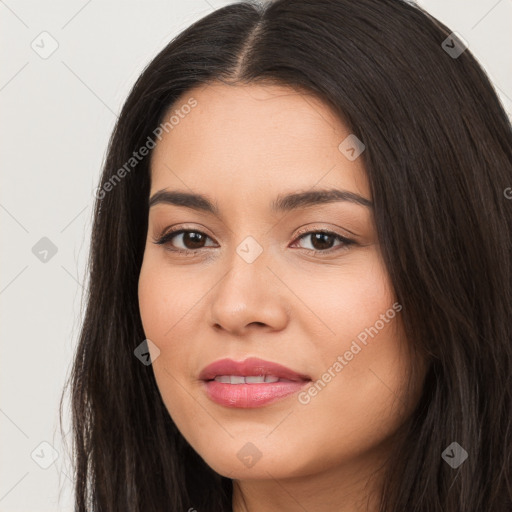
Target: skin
[{"x": 241, "y": 146}]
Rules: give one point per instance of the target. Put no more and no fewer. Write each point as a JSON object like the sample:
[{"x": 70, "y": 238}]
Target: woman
[{"x": 300, "y": 273}]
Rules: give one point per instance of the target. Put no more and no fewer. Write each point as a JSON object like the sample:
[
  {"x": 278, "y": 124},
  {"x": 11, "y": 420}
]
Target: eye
[
  {"x": 323, "y": 240},
  {"x": 190, "y": 240}
]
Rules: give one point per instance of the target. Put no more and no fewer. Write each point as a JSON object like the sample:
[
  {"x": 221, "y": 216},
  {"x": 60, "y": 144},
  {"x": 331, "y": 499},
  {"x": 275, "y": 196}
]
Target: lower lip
[{"x": 250, "y": 395}]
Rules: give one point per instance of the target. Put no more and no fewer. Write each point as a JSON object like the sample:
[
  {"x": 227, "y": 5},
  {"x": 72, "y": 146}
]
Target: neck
[{"x": 352, "y": 487}]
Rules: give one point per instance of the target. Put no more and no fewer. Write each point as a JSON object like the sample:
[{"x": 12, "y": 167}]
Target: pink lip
[{"x": 250, "y": 395}]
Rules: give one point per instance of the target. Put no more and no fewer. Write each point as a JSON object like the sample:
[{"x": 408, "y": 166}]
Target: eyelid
[
  {"x": 175, "y": 228},
  {"x": 319, "y": 229}
]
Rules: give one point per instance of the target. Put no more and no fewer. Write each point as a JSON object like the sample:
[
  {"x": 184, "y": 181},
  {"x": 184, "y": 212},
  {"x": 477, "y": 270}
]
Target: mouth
[{"x": 250, "y": 383}]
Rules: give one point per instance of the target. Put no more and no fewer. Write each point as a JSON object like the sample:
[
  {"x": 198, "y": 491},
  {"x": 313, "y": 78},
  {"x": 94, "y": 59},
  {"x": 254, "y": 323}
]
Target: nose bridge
[
  {"x": 247, "y": 294},
  {"x": 247, "y": 270}
]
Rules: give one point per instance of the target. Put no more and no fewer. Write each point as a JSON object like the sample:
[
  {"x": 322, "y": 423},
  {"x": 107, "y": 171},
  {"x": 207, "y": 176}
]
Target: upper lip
[{"x": 249, "y": 367}]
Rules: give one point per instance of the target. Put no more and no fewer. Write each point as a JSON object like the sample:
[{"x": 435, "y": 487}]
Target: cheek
[
  {"x": 357, "y": 404},
  {"x": 167, "y": 297},
  {"x": 342, "y": 304},
  {"x": 363, "y": 357},
  {"x": 359, "y": 399}
]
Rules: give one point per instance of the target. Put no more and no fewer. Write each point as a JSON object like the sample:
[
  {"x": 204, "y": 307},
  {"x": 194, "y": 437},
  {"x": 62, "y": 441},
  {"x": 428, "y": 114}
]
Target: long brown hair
[{"x": 438, "y": 158}]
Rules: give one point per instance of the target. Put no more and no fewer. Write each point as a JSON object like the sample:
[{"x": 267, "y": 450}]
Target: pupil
[
  {"x": 191, "y": 238},
  {"x": 318, "y": 237}
]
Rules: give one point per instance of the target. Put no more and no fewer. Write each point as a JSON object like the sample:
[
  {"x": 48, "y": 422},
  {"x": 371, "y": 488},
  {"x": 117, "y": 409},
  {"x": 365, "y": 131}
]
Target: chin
[{"x": 245, "y": 460}]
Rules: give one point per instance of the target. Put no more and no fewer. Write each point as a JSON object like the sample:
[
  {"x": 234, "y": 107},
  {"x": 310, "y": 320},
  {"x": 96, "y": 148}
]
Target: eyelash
[{"x": 167, "y": 237}]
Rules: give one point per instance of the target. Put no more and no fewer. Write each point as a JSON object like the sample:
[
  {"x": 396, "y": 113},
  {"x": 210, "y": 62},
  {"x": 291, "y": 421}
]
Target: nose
[{"x": 249, "y": 297}]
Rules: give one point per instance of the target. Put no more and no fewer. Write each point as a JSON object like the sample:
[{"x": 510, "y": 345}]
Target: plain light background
[{"x": 57, "y": 115}]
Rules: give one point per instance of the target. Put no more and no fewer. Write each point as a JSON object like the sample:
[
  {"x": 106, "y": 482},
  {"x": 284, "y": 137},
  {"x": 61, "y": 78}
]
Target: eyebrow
[
  {"x": 282, "y": 203},
  {"x": 314, "y": 197}
]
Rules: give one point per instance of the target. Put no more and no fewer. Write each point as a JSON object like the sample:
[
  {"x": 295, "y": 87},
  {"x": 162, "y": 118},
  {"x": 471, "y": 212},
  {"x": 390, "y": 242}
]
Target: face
[{"x": 249, "y": 271}]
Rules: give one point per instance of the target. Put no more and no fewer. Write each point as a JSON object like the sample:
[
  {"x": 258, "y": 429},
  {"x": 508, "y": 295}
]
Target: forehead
[{"x": 252, "y": 139}]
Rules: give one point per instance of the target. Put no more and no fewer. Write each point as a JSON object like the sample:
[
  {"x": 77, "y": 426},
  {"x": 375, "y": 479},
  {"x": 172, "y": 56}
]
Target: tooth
[
  {"x": 255, "y": 380},
  {"x": 240, "y": 379}
]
